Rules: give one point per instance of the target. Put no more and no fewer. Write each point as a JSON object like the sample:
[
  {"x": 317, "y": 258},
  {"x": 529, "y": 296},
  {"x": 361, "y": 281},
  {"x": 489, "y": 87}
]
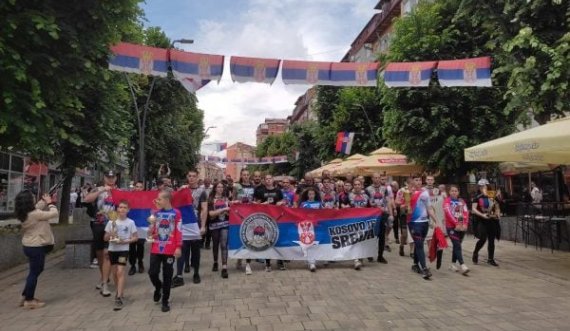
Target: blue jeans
[
  {"x": 456, "y": 239},
  {"x": 36, "y": 258},
  {"x": 419, "y": 231}
]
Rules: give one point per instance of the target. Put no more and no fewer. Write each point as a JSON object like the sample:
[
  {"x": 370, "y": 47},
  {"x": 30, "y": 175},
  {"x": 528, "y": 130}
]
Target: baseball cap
[
  {"x": 110, "y": 173},
  {"x": 483, "y": 182}
]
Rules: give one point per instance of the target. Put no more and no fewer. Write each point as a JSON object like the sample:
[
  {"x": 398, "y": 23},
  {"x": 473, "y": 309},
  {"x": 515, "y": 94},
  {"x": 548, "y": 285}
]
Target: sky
[{"x": 320, "y": 30}]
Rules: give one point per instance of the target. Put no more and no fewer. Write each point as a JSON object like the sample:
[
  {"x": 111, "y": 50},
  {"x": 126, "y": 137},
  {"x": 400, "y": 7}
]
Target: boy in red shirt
[{"x": 165, "y": 231}]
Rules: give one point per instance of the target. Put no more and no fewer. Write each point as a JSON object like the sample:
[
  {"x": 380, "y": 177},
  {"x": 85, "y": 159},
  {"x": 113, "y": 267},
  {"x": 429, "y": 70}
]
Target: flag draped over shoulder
[
  {"x": 141, "y": 204},
  {"x": 251, "y": 69},
  {"x": 139, "y": 59},
  {"x": 195, "y": 70}
]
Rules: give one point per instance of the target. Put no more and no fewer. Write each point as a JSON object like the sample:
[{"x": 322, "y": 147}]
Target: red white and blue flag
[
  {"x": 221, "y": 146},
  {"x": 408, "y": 74},
  {"x": 257, "y": 70},
  {"x": 141, "y": 204},
  {"x": 354, "y": 74},
  {"x": 306, "y": 72},
  {"x": 344, "y": 142},
  {"x": 195, "y": 70},
  {"x": 467, "y": 72},
  {"x": 278, "y": 232},
  {"x": 139, "y": 59}
]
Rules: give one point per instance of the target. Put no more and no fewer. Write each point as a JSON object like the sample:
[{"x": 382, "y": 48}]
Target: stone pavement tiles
[{"x": 530, "y": 291}]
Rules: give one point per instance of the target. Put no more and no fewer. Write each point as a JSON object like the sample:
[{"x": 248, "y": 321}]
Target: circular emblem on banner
[{"x": 259, "y": 232}]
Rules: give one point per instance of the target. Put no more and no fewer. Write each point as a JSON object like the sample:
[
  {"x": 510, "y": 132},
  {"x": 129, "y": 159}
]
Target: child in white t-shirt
[{"x": 120, "y": 234}]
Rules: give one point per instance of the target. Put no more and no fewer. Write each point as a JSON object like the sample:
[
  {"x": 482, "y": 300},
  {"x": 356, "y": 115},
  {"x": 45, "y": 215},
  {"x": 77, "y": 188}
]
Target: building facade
[
  {"x": 271, "y": 127},
  {"x": 238, "y": 151},
  {"x": 210, "y": 170},
  {"x": 304, "y": 108}
]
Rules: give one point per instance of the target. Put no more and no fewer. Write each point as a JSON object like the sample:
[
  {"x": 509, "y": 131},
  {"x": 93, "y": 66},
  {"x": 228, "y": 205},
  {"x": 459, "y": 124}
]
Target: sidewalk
[{"x": 529, "y": 291}]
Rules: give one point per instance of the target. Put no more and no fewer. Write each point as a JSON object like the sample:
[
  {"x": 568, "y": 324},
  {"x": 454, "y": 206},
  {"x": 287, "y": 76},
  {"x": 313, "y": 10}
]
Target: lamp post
[
  {"x": 208, "y": 129},
  {"x": 142, "y": 114},
  {"x": 368, "y": 120}
]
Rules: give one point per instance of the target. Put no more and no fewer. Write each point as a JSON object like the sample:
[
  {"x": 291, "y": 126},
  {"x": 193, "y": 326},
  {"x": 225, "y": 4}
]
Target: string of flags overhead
[
  {"x": 195, "y": 70},
  {"x": 247, "y": 161}
]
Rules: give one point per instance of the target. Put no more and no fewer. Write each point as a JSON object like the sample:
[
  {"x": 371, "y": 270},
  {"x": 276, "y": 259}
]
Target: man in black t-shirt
[{"x": 269, "y": 194}]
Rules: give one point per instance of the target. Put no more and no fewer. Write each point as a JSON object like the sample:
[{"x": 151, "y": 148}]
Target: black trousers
[
  {"x": 190, "y": 256},
  {"x": 487, "y": 231},
  {"x": 396, "y": 225},
  {"x": 382, "y": 235},
  {"x": 167, "y": 263},
  {"x": 136, "y": 252}
]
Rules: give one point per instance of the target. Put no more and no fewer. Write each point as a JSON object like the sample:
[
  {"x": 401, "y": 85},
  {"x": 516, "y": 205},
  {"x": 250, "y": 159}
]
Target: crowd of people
[{"x": 410, "y": 213}]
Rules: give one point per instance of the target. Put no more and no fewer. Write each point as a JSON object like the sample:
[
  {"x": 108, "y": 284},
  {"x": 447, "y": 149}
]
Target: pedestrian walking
[
  {"x": 486, "y": 213},
  {"x": 456, "y": 222},
  {"x": 218, "y": 212},
  {"x": 136, "y": 249}
]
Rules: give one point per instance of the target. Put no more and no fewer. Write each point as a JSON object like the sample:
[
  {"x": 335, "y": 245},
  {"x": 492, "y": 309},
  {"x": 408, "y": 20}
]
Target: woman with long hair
[
  {"x": 37, "y": 240},
  {"x": 486, "y": 212},
  {"x": 456, "y": 222},
  {"x": 218, "y": 211}
]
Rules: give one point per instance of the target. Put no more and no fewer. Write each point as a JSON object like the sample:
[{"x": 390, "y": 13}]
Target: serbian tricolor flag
[
  {"x": 354, "y": 74},
  {"x": 195, "y": 70},
  {"x": 222, "y": 146},
  {"x": 344, "y": 142},
  {"x": 141, "y": 205},
  {"x": 278, "y": 232},
  {"x": 251, "y": 69},
  {"x": 467, "y": 72},
  {"x": 139, "y": 59},
  {"x": 408, "y": 74},
  {"x": 306, "y": 72}
]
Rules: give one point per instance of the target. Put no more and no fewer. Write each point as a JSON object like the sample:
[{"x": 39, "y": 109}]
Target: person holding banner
[
  {"x": 136, "y": 249},
  {"x": 358, "y": 199},
  {"x": 218, "y": 211},
  {"x": 418, "y": 222},
  {"x": 344, "y": 195},
  {"x": 310, "y": 199},
  {"x": 456, "y": 222},
  {"x": 328, "y": 196},
  {"x": 288, "y": 193},
  {"x": 269, "y": 194},
  {"x": 381, "y": 196},
  {"x": 166, "y": 247},
  {"x": 243, "y": 193},
  {"x": 192, "y": 232}
]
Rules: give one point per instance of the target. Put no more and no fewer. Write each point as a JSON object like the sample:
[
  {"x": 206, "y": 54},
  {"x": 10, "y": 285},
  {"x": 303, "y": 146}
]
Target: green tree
[
  {"x": 433, "y": 125},
  {"x": 58, "y": 101},
  {"x": 531, "y": 45}
]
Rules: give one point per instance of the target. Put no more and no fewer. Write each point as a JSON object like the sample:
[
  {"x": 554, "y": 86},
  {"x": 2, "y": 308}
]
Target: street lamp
[
  {"x": 142, "y": 114},
  {"x": 368, "y": 120},
  {"x": 208, "y": 129}
]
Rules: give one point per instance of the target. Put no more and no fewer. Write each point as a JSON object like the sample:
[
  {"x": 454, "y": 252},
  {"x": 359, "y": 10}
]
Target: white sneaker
[
  {"x": 464, "y": 269},
  {"x": 105, "y": 291},
  {"x": 99, "y": 286},
  {"x": 312, "y": 267},
  {"x": 94, "y": 264},
  {"x": 247, "y": 269},
  {"x": 357, "y": 264},
  {"x": 453, "y": 267}
]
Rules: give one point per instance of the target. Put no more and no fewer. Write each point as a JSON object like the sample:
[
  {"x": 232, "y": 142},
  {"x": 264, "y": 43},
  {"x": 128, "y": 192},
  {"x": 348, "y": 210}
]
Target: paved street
[{"x": 530, "y": 291}]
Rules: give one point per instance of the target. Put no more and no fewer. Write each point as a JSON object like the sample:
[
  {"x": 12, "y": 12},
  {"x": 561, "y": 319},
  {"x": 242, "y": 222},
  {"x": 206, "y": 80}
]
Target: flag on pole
[
  {"x": 139, "y": 59},
  {"x": 467, "y": 72},
  {"x": 344, "y": 142},
  {"x": 221, "y": 146},
  {"x": 354, "y": 74},
  {"x": 195, "y": 70},
  {"x": 250, "y": 69},
  {"x": 408, "y": 74}
]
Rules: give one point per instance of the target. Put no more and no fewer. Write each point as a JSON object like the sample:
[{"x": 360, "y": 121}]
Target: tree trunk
[{"x": 68, "y": 173}]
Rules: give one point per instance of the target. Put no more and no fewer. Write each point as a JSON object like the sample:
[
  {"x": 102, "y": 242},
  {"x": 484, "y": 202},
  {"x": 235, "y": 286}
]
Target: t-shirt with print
[
  {"x": 191, "y": 231},
  {"x": 420, "y": 202},
  {"x": 124, "y": 230},
  {"x": 310, "y": 205},
  {"x": 343, "y": 199},
  {"x": 244, "y": 192},
  {"x": 380, "y": 195},
  {"x": 104, "y": 205},
  {"x": 221, "y": 221},
  {"x": 328, "y": 200},
  {"x": 288, "y": 197},
  {"x": 166, "y": 232},
  {"x": 484, "y": 204},
  {"x": 271, "y": 196},
  {"x": 358, "y": 200}
]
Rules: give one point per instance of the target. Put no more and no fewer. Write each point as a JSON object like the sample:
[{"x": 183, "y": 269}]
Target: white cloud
[{"x": 290, "y": 29}]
